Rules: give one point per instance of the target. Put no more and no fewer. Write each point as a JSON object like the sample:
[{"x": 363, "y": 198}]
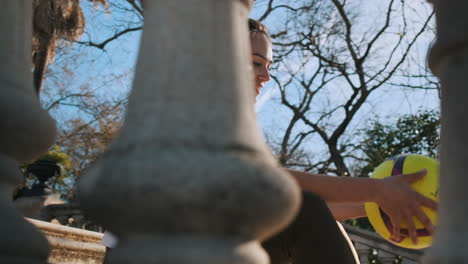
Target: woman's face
[{"x": 262, "y": 57}]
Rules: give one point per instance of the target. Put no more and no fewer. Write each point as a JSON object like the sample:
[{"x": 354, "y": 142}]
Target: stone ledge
[
  {"x": 83, "y": 244},
  {"x": 72, "y": 245}
]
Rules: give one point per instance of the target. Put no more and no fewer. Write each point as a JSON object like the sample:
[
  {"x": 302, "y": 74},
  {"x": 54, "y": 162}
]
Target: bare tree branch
[
  {"x": 329, "y": 35},
  {"x": 135, "y": 6},
  {"x": 64, "y": 98},
  {"x": 103, "y": 44}
]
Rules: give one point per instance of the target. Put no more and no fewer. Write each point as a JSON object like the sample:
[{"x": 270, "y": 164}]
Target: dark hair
[{"x": 256, "y": 26}]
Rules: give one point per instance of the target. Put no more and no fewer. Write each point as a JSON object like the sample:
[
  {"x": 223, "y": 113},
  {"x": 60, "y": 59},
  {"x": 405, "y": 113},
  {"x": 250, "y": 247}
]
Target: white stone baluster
[
  {"x": 448, "y": 59},
  {"x": 26, "y": 131},
  {"x": 190, "y": 179}
]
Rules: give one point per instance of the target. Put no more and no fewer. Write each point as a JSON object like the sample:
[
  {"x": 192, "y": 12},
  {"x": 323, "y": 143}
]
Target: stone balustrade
[
  {"x": 26, "y": 131},
  {"x": 71, "y": 245},
  {"x": 189, "y": 135},
  {"x": 365, "y": 242},
  {"x": 448, "y": 59}
]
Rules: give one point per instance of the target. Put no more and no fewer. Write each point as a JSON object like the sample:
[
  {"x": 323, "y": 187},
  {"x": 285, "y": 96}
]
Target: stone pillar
[
  {"x": 190, "y": 179},
  {"x": 26, "y": 131},
  {"x": 448, "y": 59}
]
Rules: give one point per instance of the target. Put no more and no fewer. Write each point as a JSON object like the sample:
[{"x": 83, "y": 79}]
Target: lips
[{"x": 258, "y": 89}]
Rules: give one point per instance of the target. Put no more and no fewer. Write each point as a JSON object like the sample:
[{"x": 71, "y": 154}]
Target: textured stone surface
[
  {"x": 26, "y": 131},
  {"x": 72, "y": 245},
  {"x": 449, "y": 61},
  {"x": 190, "y": 179}
]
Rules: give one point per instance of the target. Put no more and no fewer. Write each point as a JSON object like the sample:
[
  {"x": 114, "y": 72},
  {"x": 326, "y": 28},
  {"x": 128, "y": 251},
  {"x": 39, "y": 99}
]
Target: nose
[{"x": 263, "y": 74}]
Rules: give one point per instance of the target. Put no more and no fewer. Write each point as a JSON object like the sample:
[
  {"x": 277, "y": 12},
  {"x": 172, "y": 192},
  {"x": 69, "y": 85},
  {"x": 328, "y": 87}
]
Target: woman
[{"x": 314, "y": 235}]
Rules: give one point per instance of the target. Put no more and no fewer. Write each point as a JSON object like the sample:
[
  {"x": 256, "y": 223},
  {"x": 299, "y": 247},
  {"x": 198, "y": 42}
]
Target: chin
[{"x": 258, "y": 90}]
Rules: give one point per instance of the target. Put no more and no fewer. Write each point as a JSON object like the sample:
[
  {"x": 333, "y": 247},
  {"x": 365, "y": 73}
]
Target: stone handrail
[{"x": 72, "y": 245}]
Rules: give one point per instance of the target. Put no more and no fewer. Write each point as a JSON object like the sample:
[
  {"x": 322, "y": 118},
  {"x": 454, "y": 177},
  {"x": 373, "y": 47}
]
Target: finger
[
  {"x": 428, "y": 202},
  {"x": 396, "y": 222},
  {"x": 425, "y": 221},
  {"x": 416, "y": 176},
  {"x": 411, "y": 228}
]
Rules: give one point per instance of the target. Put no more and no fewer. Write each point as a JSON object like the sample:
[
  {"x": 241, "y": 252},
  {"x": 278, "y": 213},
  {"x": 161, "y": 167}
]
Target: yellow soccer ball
[{"x": 428, "y": 186}]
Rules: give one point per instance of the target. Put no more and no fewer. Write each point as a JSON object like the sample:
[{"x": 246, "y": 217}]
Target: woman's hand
[{"x": 400, "y": 202}]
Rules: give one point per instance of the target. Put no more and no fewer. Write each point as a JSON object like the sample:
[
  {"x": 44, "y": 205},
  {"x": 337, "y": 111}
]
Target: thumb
[{"x": 416, "y": 176}]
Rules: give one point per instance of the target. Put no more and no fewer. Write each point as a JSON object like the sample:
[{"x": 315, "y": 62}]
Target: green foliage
[
  {"x": 61, "y": 158},
  {"x": 56, "y": 184},
  {"x": 362, "y": 223},
  {"x": 418, "y": 133}
]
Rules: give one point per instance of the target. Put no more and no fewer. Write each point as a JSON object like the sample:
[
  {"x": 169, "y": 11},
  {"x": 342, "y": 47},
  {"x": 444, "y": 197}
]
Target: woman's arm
[
  {"x": 394, "y": 195},
  {"x": 344, "y": 196},
  {"x": 345, "y": 211},
  {"x": 338, "y": 189}
]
